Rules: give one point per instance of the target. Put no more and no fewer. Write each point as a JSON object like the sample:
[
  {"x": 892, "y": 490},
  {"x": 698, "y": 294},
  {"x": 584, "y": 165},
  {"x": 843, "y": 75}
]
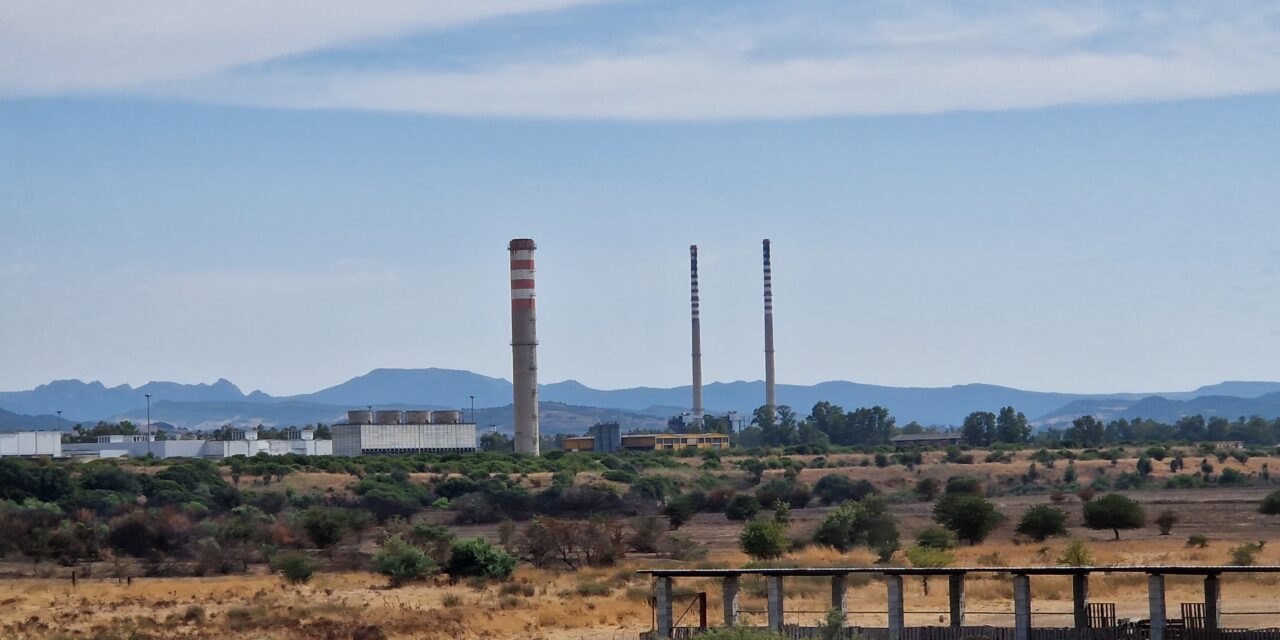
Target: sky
[{"x": 1056, "y": 196}]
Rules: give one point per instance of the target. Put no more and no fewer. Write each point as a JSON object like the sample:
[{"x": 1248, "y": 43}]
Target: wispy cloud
[{"x": 762, "y": 61}]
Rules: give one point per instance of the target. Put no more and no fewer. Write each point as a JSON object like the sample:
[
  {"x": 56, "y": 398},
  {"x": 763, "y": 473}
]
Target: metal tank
[
  {"x": 386, "y": 417},
  {"x": 417, "y": 417},
  {"x": 446, "y": 417},
  {"x": 359, "y": 417}
]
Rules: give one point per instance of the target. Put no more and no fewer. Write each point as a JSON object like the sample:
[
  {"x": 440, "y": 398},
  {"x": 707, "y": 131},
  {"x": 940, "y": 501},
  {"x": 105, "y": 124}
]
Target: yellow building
[{"x": 656, "y": 442}]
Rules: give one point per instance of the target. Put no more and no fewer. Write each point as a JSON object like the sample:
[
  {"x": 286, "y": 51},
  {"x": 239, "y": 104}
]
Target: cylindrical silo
[
  {"x": 446, "y": 417},
  {"x": 386, "y": 417},
  {"x": 417, "y": 417},
  {"x": 524, "y": 346},
  {"x": 359, "y": 417}
]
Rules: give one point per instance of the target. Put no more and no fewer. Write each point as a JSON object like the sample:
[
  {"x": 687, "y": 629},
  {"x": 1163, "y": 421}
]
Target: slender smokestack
[
  {"x": 524, "y": 346},
  {"x": 697, "y": 332},
  {"x": 770, "y": 391}
]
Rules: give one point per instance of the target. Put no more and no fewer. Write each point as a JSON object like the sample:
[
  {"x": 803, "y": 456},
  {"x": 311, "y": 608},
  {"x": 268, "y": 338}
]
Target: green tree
[
  {"x": 1086, "y": 431},
  {"x": 1114, "y": 511},
  {"x": 865, "y": 522},
  {"x": 869, "y": 425},
  {"x": 478, "y": 558},
  {"x": 324, "y": 525},
  {"x": 764, "y": 539},
  {"x": 1043, "y": 521},
  {"x": 295, "y": 566},
  {"x": 1144, "y": 466},
  {"x": 1271, "y": 504},
  {"x": 742, "y": 506},
  {"x": 971, "y": 517},
  {"x": 681, "y": 509},
  {"x": 497, "y": 442},
  {"x": 1012, "y": 426},
  {"x": 1166, "y": 520},
  {"x": 1076, "y": 554},
  {"x": 979, "y": 428},
  {"x": 929, "y": 558},
  {"x": 935, "y": 538},
  {"x": 402, "y": 562},
  {"x": 835, "y": 488}
]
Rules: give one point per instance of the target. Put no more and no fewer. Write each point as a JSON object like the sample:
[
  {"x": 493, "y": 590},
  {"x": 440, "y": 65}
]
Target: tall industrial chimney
[
  {"x": 770, "y": 391},
  {"x": 697, "y": 333},
  {"x": 524, "y": 346}
]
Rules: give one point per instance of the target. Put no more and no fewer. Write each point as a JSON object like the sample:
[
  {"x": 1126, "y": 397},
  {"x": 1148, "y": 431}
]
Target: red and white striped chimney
[{"x": 524, "y": 346}]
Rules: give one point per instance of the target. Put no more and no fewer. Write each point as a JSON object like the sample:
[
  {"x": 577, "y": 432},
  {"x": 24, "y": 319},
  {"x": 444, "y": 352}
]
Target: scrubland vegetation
[{"x": 489, "y": 545}]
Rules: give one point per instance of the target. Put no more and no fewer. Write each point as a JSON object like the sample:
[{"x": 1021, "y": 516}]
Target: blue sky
[{"x": 1072, "y": 197}]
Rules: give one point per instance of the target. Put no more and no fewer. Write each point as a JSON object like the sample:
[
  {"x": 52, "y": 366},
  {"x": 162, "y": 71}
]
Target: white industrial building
[
  {"x": 395, "y": 432},
  {"x": 31, "y": 443},
  {"x": 246, "y": 443}
]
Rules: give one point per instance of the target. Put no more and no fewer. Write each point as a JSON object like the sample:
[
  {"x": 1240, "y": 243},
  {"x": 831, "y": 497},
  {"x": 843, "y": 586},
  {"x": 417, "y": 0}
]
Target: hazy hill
[
  {"x": 223, "y": 402},
  {"x": 1166, "y": 409}
]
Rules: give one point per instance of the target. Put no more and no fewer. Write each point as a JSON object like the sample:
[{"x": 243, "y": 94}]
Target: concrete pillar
[
  {"x": 731, "y": 602},
  {"x": 1021, "y": 607},
  {"x": 896, "y": 613},
  {"x": 1080, "y": 599},
  {"x": 955, "y": 592},
  {"x": 1212, "y": 602},
  {"x": 1155, "y": 599},
  {"x": 662, "y": 602},
  {"x": 840, "y": 593},
  {"x": 775, "y": 602}
]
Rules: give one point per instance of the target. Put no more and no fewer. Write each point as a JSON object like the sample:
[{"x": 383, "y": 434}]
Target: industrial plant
[
  {"x": 370, "y": 433},
  {"x": 524, "y": 346}
]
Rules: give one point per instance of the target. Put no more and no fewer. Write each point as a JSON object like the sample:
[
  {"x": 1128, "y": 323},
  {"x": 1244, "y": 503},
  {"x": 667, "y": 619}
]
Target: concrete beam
[
  {"x": 732, "y": 604},
  {"x": 774, "y": 584},
  {"x": 1212, "y": 602},
  {"x": 662, "y": 602},
  {"x": 955, "y": 593},
  {"x": 1155, "y": 600},
  {"x": 896, "y": 612},
  {"x": 1021, "y": 607},
  {"x": 840, "y": 594},
  {"x": 1080, "y": 599}
]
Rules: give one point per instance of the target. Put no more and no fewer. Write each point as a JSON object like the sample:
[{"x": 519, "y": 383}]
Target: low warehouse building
[
  {"x": 655, "y": 442},
  {"x": 31, "y": 443},
  {"x": 392, "y": 432}
]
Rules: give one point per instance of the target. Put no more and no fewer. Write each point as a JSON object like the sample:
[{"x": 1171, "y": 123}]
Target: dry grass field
[{"x": 40, "y": 601}]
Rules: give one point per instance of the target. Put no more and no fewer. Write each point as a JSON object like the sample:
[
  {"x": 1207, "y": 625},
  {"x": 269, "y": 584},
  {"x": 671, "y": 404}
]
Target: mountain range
[{"x": 570, "y": 404}]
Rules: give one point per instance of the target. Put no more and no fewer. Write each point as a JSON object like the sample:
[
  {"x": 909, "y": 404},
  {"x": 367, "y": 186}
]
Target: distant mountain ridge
[{"x": 223, "y": 402}]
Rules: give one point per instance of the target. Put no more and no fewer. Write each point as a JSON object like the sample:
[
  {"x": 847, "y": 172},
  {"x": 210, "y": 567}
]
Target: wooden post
[
  {"x": 955, "y": 593},
  {"x": 731, "y": 603},
  {"x": 1212, "y": 602},
  {"x": 774, "y": 584},
  {"x": 1080, "y": 599},
  {"x": 662, "y": 602},
  {"x": 1021, "y": 607},
  {"x": 702, "y": 610},
  {"x": 896, "y": 612},
  {"x": 1155, "y": 599},
  {"x": 840, "y": 593}
]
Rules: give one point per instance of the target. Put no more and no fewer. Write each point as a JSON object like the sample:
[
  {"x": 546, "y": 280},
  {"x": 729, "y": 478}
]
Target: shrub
[
  {"x": 963, "y": 484},
  {"x": 764, "y": 540},
  {"x": 834, "y": 489},
  {"x": 295, "y": 566},
  {"x": 1198, "y": 540},
  {"x": 1115, "y": 512},
  {"x": 646, "y": 534},
  {"x": 935, "y": 538},
  {"x": 970, "y": 517},
  {"x": 402, "y": 562},
  {"x": 927, "y": 489},
  {"x": 1076, "y": 554},
  {"x": 1270, "y": 504},
  {"x": 1166, "y": 520},
  {"x": 743, "y": 506},
  {"x": 866, "y": 522},
  {"x": 796, "y": 494},
  {"x": 324, "y": 525},
  {"x": 475, "y": 557},
  {"x": 1246, "y": 554},
  {"x": 435, "y": 539},
  {"x": 1231, "y": 477},
  {"x": 681, "y": 508},
  {"x": 929, "y": 558},
  {"x": 1043, "y": 521}
]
